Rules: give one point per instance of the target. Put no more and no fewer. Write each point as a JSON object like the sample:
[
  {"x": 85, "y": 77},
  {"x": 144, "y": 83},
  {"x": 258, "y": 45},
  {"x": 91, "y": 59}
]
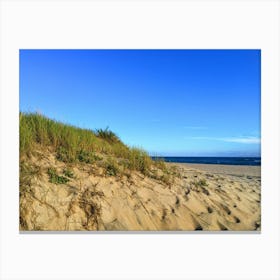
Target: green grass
[
  {"x": 200, "y": 183},
  {"x": 107, "y": 135},
  {"x": 84, "y": 156},
  {"x": 139, "y": 160},
  {"x": 27, "y": 173},
  {"x": 68, "y": 173},
  {"x": 67, "y": 140},
  {"x": 55, "y": 178},
  {"x": 112, "y": 168},
  {"x": 73, "y": 144}
]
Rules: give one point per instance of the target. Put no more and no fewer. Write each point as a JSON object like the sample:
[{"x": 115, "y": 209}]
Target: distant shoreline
[
  {"x": 244, "y": 161},
  {"x": 235, "y": 170}
]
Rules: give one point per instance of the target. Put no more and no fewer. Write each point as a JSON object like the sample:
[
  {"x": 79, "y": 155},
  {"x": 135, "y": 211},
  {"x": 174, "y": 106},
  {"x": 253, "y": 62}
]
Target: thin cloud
[
  {"x": 242, "y": 140},
  {"x": 245, "y": 140}
]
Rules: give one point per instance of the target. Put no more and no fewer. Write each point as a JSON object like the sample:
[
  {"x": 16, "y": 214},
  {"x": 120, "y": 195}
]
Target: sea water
[{"x": 254, "y": 161}]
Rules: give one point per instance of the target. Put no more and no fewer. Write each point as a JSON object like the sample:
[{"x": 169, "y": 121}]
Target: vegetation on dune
[
  {"x": 107, "y": 135},
  {"x": 200, "y": 183},
  {"x": 68, "y": 173},
  {"x": 67, "y": 140},
  {"x": 72, "y": 144},
  {"x": 27, "y": 172},
  {"x": 111, "y": 167},
  {"x": 55, "y": 178}
]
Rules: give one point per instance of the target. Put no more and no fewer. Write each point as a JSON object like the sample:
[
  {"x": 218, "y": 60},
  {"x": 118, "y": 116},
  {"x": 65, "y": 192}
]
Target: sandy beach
[
  {"x": 237, "y": 170},
  {"x": 202, "y": 197},
  {"x": 234, "y": 191}
]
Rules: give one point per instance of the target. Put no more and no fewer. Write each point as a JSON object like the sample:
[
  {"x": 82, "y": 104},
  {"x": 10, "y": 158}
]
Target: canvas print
[{"x": 140, "y": 140}]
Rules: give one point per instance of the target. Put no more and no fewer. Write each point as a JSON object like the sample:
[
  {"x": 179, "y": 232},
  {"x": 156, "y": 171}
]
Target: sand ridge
[{"x": 200, "y": 199}]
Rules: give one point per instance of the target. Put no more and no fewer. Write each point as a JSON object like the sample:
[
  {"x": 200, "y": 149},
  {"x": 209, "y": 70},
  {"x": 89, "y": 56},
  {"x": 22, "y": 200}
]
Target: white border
[{"x": 140, "y": 24}]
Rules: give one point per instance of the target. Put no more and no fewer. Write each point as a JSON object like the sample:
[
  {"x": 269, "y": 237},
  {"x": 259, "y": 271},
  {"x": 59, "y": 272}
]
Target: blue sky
[{"x": 169, "y": 102}]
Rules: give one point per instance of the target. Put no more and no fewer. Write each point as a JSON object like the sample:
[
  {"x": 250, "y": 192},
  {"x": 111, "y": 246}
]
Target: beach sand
[
  {"x": 237, "y": 170},
  {"x": 234, "y": 194},
  {"x": 203, "y": 197}
]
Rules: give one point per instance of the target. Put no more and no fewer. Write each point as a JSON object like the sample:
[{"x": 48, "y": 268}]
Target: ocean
[{"x": 254, "y": 161}]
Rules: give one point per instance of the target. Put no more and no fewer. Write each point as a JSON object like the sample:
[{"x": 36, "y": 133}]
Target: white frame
[{"x": 220, "y": 24}]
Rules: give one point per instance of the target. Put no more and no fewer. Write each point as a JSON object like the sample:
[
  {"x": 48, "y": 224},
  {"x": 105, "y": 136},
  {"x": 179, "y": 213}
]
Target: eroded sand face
[{"x": 92, "y": 201}]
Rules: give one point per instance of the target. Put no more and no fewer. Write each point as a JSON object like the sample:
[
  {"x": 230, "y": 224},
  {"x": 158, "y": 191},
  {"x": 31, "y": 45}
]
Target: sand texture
[{"x": 203, "y": 197}]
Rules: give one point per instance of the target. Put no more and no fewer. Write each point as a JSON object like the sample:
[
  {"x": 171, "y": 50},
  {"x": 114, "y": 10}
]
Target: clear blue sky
[{"x": 169, "y": 102}]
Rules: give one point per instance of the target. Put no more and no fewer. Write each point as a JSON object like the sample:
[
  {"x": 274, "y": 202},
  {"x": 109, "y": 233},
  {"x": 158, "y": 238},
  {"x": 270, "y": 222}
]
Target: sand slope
[{"x": 92, "y": 201}]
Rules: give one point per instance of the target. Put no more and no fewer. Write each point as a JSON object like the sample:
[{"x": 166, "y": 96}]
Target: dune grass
[
  {"x": 55, "y": 178},
  {"x": 73, "y": 144}
]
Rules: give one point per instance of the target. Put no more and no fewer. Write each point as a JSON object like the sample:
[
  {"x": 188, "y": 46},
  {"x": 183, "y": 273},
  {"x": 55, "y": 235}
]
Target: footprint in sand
[
  {"x": 164, "y": 214},
  {"x": 222, "y": 227},
  {"x": 237, "y": 220},
  {"x": 196, "y": 224},
  {"x": 226, "y": 209},
  {"x": 177, "y": 201},
  {"x": 257, "y": 225},
  {"x": 205, "y": 191},
  {"x": 238, "y": 198},
  {"x": 187, "y": 191},
  {"x": 199, "y": 227}
]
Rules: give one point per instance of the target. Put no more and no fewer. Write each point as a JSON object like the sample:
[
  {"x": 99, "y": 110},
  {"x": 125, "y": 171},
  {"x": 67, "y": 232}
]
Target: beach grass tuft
[
  {"x": 68, "y": 173},
  {"x": 72, "y": 144},
  {"x": 107, "y": 135},
  {"x": 55, "y": 178}
]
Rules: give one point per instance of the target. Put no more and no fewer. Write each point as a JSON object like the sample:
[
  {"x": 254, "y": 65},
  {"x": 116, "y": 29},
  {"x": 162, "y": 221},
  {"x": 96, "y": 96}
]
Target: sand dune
[{"x": 204, "y": 197}]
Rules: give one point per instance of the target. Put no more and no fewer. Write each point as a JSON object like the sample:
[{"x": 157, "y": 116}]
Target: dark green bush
[
  {"x": 64, "y": 155},
  {"x": 107, "y": 135},
  {"x": 202, "y": 182},
  {"x": 56, "y": 179},
  {"x": 84, "y": 156},
  {"x": 68, "y": 173},
  {"x": 111, "y": 167}
]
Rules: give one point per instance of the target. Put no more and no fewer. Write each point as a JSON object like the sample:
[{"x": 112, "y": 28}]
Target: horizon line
[{"x": 208, "y": 156}]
